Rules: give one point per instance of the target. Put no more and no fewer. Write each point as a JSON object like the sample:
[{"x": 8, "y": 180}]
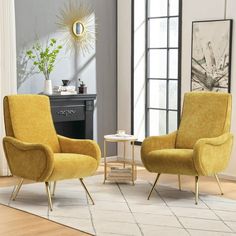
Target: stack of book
[
  {"x": 120, "y": 173},
  {"x": 65, "y": 90}
]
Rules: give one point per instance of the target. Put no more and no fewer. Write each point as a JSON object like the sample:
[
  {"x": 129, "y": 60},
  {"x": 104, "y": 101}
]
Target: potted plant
[{"x": 44, "y": 58}]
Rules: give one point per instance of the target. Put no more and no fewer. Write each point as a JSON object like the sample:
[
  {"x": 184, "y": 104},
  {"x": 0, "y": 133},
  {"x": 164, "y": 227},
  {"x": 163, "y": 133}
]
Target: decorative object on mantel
[
  {"x": 65, "y": 89},
  {"x": 77, "y": 21},
  {"x": 211, "y": 55},
  {"x": 82, "y": 87},
  {"x": 44, "y": 58},
  {"x": 65, "y": 82}
]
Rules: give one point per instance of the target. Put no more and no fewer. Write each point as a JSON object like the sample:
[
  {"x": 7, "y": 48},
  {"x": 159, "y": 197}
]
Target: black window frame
[{"x": 147, "y": 79}]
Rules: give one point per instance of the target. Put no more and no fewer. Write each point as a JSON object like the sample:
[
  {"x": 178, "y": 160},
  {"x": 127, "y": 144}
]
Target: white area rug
[{"x": 122, "y": 209}]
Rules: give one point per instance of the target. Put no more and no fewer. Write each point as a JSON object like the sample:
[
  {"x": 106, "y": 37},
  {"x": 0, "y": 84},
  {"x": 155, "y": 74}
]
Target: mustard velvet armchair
[
  {"x": 202, "y": 144},
  {"x": 35, "y": 152}
]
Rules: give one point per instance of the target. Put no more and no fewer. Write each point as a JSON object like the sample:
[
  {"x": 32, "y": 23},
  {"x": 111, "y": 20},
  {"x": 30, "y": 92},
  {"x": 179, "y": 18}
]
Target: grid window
[{"x": 161, "y": 67}]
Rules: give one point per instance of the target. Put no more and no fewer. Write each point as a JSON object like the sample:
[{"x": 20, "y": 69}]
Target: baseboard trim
[{"x": 227, "y": 177}]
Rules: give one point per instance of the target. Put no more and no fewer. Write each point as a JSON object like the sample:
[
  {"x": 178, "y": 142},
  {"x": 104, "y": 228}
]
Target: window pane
[
  {"x": 173, "y": 64},
  {"x": 157, "y": 63},
  {"x": 158, "y": 32},
  {"x": 139, "y": 45},
  {"x": 157, "y": 94},
  {"x": 157, "y": 8},
  {"x": 157, "y": 122},
  {"x": 172, "y": 121},
  {"x": 139, "y": 13},
  {"x": 174, "y": 32},
  {"x": 173, "y": 92},
  {"x": 174, "y": 7}
]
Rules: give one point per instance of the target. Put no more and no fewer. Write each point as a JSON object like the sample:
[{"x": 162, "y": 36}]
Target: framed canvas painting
[{"x": 211, "y": 55}]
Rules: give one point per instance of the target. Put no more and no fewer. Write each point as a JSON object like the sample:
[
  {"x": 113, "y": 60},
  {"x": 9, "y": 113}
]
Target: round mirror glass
[{"x": 78, "y": 28}]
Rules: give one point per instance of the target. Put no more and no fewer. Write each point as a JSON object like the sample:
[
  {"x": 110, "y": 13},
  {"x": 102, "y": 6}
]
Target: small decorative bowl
[{"x": 65, "y": 82}]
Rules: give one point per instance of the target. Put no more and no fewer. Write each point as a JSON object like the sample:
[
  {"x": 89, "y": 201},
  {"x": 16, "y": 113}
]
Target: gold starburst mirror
[{"x": 77, "y": 21}]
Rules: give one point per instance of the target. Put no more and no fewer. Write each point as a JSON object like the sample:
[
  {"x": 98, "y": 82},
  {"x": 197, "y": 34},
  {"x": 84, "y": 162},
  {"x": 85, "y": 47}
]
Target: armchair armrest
[
  {"x": 80, "y": 146},
  {"x": 211, "y": 155},
  {"x": 28, "y": 160},
  {"x": 156, "y": 143}
]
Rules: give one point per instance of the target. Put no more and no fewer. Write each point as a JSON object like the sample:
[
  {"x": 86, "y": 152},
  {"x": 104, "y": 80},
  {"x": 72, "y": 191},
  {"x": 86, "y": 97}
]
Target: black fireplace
[{"x": 73, "y": 115}]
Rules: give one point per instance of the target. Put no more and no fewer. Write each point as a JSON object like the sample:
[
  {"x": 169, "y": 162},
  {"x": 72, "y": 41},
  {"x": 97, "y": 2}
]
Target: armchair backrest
[
  {"x": 204, "y": 115},
  {"x": 28, "y": 118}
]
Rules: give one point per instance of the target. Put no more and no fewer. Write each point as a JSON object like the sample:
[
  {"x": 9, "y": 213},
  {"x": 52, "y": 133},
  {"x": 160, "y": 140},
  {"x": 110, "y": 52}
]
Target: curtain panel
[{"x": 8, "y": 83}]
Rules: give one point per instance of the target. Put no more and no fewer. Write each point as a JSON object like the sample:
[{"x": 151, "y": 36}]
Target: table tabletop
[{"x": 118, "y": 137}]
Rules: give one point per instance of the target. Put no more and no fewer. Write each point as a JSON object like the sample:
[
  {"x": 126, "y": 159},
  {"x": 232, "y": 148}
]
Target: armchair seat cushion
[
  {"x": 171, "y": 161},
  {"x": 69, "y": 166}
]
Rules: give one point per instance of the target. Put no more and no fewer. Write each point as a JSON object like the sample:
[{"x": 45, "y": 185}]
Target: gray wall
[{"x": 37, "y": 19}]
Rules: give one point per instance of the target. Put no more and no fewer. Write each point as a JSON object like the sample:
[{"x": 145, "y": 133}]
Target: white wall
[
  {"x": 124, "y": 64},
  {"x": 124, "y": 69},
  {"x": 192, "y": 10}
]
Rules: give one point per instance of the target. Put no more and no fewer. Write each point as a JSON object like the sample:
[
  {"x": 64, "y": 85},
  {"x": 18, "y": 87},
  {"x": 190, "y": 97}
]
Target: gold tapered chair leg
[
  {"x": 49, "y": 195},
  {"x": 196, "y": 189},
  {"x": 179, "y": 182},
  {"x": 218, "y": 182},
  {"x": 54, "y": 188},
  {"x": 14, "y": 195},
  {"x": 82, "y": 182},
  {"x": 158, "y": 175}
]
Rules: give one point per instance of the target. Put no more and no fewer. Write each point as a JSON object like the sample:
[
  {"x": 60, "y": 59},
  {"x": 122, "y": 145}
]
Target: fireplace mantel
[{"x": 73, "y": 115}]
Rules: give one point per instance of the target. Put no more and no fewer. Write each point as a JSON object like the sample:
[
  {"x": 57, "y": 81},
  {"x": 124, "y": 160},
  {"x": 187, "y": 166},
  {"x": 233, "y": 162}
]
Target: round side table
[{"x": 120, "y": 174}]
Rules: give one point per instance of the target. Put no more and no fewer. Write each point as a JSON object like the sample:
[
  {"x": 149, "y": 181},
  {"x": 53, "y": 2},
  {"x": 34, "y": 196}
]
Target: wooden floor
[{"x": 15, "y": 222}]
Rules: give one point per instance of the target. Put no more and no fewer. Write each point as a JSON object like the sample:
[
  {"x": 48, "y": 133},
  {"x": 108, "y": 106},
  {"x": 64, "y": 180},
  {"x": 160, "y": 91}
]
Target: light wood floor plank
[{"x": 16, "y": 222}]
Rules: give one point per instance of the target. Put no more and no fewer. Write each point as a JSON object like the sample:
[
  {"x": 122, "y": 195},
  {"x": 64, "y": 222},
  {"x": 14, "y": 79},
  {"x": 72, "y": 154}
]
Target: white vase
[{"x": 48, "y": 87}]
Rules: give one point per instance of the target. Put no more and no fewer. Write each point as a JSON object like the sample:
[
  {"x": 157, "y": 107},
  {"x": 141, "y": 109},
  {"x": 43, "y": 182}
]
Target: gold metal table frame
[{"x": 120, "y": 139}]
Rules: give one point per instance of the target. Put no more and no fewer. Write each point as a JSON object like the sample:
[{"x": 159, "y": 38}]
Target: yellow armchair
[
  {"x": 200, "y": 147},
  {"x": 34, "y": 151}
]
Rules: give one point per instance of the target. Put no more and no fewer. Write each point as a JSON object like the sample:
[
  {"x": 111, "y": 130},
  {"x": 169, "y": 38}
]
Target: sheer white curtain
[{"x": 8, "y": 83}]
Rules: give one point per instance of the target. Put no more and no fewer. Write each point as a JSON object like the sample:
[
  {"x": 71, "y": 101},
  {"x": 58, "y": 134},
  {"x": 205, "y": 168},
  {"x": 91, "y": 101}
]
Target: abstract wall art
[{"x": 211, "y": 55}]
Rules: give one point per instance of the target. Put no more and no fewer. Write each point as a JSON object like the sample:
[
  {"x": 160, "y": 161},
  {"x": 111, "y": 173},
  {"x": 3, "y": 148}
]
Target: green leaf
[{"x": 44, "y": 57}]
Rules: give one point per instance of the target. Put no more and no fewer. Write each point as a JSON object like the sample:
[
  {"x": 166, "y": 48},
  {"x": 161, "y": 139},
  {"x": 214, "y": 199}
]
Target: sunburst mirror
[{"x": 77, "y": 22}]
